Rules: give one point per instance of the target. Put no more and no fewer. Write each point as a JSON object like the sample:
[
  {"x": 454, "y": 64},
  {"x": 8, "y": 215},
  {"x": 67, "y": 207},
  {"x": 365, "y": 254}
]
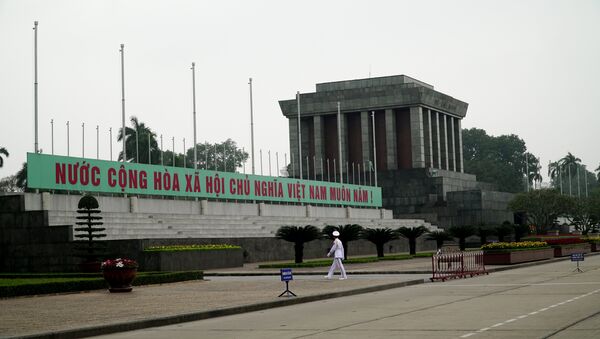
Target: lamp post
[
  {"x": 161, "y": 151},
  {"x": 137, "y": 147}
]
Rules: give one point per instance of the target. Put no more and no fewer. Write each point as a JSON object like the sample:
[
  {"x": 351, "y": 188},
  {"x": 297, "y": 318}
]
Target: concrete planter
[
  {"x": 515, "y": 257},
  {"x": 595, "y": 247},
  {"x": 191, "y": 260},
  {"x": 566, "y": 250}
]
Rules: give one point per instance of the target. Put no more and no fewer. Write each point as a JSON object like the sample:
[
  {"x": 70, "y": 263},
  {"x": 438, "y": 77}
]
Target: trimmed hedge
[
  {"x": 327, "y": 262},
  {"x": 195, "y": 247},
  {"x": 61, "y": 283}
]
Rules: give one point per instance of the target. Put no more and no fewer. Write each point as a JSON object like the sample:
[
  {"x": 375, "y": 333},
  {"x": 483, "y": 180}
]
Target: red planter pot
[
  {"x": 119, "y": 280},
  {"x": 515, "y": 257},
  {"x": 595, "y": 247}
]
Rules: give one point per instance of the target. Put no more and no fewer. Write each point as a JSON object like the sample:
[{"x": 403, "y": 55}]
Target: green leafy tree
[
  {"x": 542, "y": 207},
  {"x": 597, "y": 170},
  {"x": 348, "y": 233},
  {"x": 9, "y": 184},
  {"x": 298, "y": 235},
  {"x": 224, "y": 156},
  {"x": 584, "y": 215},
  {"x": 462, "y": 232},
  {"x": 412, "y": 233},
  {"x": 136, "y": 139},
  {"x": 4, "y": 152},
  {"x": 498, "y": 160},
  {"x": 379, "y": 237},
  {"x": 439, "y": 236}
]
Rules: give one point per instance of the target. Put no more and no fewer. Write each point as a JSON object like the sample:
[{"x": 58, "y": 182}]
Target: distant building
[{"x": 418, "y": 143}]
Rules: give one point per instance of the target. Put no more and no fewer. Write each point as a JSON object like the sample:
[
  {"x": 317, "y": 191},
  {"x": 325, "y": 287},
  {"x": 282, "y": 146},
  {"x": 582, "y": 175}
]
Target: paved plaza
[{"x": 368, "y": 304}]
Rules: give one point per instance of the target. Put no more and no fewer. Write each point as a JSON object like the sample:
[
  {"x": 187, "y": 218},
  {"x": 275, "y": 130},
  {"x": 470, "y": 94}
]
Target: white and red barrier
[{"x": 455, "y": 265}]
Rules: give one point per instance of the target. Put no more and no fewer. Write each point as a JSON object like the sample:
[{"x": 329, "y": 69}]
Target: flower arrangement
[
  {"x": 565, "y": 241},
  {"x": 514, "y": 245},
  {"x": 119, "y": 263},
  {"x": 195, "y": 247}
]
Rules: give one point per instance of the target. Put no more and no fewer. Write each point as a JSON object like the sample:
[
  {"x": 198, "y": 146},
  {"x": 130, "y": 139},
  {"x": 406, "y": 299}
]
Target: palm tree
[
  {"x": 483, "y": 232},
  {"x": 555, "y": 173},
  {"x": 139, "y": 134},
  {"x": 504, "y": 230},
  {"x": 379, "y": 237},
  {"x": 412, "y": 233},
  {"x": 439, "y": 236},
  {"x": 348, "y": 233},
  {"x": 5, "y": 152},
  {"x": 462, "y": 233},
  {"x": 22, "y": 177},
  {"x": 298, "y": 235},
  {"x": 567, "y": 162}
]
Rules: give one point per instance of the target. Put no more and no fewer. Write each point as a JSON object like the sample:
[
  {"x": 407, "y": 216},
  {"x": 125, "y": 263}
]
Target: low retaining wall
[
  {"x": 566, "y": 250},
  {"x": 515, "y": 257},
  {"x": 191, "y": 260}
]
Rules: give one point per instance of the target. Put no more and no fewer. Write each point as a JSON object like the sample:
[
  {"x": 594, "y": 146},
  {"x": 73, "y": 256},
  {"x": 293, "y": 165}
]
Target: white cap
[{"x": 335, "y": 233}]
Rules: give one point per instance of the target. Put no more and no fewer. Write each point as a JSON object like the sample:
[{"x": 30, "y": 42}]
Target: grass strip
[{"x": 364, "y": 260}]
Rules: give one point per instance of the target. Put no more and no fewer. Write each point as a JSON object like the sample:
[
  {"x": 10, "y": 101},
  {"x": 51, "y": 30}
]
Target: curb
[{"x": 194, "y": 316}]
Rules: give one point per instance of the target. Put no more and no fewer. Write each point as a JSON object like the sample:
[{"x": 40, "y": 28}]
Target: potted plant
[{"x": 119, "y": 273}]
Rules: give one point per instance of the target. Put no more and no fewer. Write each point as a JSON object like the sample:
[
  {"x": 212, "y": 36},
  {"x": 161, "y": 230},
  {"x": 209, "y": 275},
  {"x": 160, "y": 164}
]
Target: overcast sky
[{"x": 530, "y": 68}]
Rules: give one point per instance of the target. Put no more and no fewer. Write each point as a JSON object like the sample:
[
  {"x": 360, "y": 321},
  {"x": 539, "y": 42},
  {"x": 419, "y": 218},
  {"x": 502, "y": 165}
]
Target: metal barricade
[{"x": 455, "y": 265}]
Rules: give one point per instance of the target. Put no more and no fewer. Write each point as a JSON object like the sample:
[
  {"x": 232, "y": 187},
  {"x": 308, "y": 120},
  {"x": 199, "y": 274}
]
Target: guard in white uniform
[{"x": 337, "y": 249}]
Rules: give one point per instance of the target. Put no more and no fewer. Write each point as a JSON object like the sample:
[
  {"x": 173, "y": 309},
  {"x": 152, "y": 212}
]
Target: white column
[{"x": 460, "y": 147}]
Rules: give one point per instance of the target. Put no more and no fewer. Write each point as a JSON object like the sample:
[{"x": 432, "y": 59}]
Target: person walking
[{"x": 337, "y": 249}]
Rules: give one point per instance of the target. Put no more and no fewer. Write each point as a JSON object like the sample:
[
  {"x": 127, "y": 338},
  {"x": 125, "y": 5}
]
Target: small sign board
[
  {"x": 286, "y": 274},
  {"x": 577, "y": 256}
]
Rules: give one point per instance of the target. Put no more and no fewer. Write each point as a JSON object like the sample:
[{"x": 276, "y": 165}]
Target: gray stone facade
[{"x": 418, "y": 146}]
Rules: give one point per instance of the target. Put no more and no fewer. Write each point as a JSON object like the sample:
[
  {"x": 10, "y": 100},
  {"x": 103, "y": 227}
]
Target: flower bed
[
  {"x": 594, "y": 243},
  {"x": 191, "y": 257},
  {"x": 503, "y": 253}
]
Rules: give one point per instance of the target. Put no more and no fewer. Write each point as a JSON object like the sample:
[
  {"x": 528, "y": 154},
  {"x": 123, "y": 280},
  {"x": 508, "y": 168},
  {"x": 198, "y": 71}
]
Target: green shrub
[
  {"x": 206, "y": 247},
  {"x": 31, "y": 284}
]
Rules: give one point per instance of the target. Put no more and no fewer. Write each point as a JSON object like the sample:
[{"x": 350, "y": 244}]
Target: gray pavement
[{"x": 224, "y": 292}]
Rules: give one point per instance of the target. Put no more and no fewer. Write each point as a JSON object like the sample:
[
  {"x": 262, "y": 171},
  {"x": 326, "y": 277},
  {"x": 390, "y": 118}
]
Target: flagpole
[
  {"x": 299, "y": 135},
  {"x": 251, "y": 126},
  {"x": 35, "y": 85},
  {"x": 194, "y": 107},
  {"x": 123, "y": 100},
  {"x": 374, "y": 147},
  {"x": 339, "y": 128}
]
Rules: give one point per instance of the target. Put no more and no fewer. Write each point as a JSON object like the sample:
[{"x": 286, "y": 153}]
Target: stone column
[
  {"x": 293, "y": 128},
  {"x": 460, "y": 147},
  {"x": 390, "y": 139},
  {"x": 437, "y": 136},
  {"x": 365, "y": 129},
  {"x": 445, "y": 142},
  {"x": 453, "y": 155},
  {"x": 318, "y": 142},
  {"x": 428, "y": 140},
  {"x": 416, "y": 138}
]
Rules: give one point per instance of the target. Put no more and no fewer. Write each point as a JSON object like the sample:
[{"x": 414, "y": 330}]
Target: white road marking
[{"x": 528, "y": 314}]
